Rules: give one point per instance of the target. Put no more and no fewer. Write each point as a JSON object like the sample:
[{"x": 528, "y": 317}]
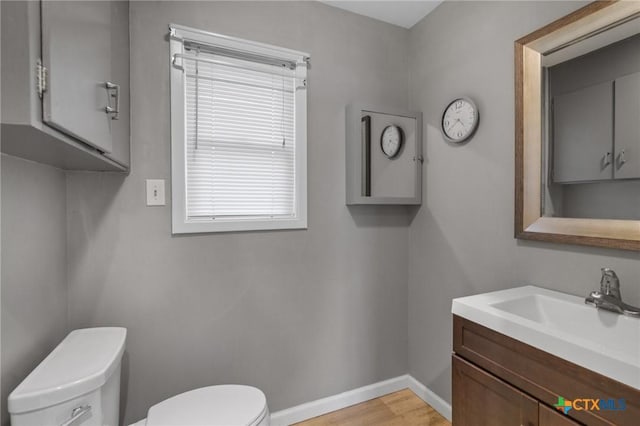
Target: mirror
[{"x": 578, "y": 128}]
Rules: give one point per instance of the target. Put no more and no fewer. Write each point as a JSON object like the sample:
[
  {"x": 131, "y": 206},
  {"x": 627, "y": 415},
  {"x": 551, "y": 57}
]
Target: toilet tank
[{"x": 78, "y": 384}]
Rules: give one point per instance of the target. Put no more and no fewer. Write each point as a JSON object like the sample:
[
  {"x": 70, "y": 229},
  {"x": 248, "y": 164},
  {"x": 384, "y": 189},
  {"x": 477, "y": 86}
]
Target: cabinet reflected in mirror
[{"x": 591, "y": 125}]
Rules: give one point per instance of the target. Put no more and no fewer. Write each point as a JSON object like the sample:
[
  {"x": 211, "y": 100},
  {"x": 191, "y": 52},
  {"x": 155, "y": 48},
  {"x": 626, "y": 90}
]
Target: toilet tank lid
[{"x": 81, "y": 363}]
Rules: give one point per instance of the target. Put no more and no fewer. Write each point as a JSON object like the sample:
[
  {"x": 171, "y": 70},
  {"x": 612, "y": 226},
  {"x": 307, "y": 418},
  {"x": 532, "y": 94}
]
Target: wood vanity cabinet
[
  {"x": 65, "y": 72},
  {"x": 500, "y": 381},
  {"x": 552, "y": 417},
  {"x": 482, "y": 399}
]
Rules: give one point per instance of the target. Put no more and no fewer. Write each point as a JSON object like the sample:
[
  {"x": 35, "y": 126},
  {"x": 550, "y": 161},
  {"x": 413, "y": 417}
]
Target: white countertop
[{"x": 562, "y": 325}]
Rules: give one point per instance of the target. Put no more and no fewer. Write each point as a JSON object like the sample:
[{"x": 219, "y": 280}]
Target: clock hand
[{"x": 454, "y": 125}]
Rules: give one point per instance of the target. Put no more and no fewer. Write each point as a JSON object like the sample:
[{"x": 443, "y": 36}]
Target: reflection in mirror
[{"x": 591, "y": 154}]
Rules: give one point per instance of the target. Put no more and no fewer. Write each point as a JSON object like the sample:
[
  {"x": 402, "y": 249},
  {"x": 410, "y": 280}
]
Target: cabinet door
[
  {"x": 583, "y": 135},
  {"x": 627, "y": 125},
  {"x": 481, "y": 399},
  {"x": 76, "y": 49},
  {"x": 550, "y": 417},
  {"x": 120, "y": 128}
]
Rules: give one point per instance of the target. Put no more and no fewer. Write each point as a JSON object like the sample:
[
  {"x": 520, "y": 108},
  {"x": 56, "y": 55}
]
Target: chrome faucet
[{"x": 609, "y": 297}]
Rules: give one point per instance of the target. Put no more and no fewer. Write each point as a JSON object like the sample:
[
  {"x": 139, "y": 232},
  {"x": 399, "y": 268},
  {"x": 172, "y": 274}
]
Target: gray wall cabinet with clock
[
  {"x": 65, "y": 83},
  {"x": 383, "y": 156}
]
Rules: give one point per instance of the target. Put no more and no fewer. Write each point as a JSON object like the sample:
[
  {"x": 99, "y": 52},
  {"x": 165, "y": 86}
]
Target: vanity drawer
[{"x": 542, "y": 375}]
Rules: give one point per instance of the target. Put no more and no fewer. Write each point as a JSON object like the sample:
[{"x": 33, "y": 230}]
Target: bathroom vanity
[{"x": 520, "y": 353}]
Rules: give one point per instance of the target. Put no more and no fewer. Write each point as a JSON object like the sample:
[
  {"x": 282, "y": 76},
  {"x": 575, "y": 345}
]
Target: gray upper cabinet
[
  {"x": 76, "y": 51},
  {"x": 627, "y": 127},
  {"x": 65, "y": 80},
  {"x": 120, "y": 132},
  {"x": 583, "y": 135}
]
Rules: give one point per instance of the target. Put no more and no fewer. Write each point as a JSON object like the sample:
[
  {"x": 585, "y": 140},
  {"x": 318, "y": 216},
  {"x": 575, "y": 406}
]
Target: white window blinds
[{"x": 240, "y": 128}]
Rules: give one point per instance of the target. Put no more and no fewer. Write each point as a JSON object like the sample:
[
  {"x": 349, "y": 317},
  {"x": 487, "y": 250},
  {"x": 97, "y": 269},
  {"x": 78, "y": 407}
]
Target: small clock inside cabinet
[
  {"x": 391, "y": 140},
  {"x": 384, "y": 156}
]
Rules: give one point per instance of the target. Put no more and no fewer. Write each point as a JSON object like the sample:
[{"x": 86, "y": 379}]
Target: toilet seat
[{"x": 222, "y": 405}]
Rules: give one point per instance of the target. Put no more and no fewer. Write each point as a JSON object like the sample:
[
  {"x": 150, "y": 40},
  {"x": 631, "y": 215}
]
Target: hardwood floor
[{"x": 402, "y": 408}]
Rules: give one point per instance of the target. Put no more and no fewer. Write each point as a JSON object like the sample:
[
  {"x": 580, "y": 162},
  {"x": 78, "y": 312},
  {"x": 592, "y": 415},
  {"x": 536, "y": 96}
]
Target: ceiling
[{"x": 400, "y": 12}]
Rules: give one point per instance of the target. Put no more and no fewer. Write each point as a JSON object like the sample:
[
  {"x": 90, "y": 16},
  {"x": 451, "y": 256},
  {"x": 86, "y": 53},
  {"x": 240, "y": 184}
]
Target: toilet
[
  {"x": 78, "y": 384},
  {"x": 213, "y": 405}
]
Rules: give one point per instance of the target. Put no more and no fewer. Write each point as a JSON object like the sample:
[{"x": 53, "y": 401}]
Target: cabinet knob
[{"x": 621, "y": 159}]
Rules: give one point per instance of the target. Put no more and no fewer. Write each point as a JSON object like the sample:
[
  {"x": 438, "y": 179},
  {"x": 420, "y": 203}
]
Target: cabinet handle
[
  {"x": 621, "y": 159},
  {"x": 113, "y": 91},
  {"x": 606, "y": 160}
]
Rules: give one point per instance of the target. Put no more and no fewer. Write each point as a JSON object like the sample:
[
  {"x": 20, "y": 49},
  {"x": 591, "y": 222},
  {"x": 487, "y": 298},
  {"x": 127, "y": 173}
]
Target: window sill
[{"x": 236, "y": 225}]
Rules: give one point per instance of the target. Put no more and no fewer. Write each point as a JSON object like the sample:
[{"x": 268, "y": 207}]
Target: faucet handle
[{"x": 610, "y": 283}]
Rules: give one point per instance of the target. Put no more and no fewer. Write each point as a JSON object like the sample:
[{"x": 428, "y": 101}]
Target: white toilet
[
  {"x": 213, "y": 405},
  {"x": 78, "y": 384}
]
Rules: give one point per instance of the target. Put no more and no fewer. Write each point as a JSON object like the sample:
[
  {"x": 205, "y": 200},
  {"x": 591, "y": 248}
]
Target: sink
[
  {"x": 562, "y": 325},
  {"x": 616, "y": 332}
]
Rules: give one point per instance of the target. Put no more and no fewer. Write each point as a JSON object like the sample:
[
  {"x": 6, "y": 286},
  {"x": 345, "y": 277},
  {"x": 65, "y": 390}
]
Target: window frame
[{"x": 181, "y": 223}]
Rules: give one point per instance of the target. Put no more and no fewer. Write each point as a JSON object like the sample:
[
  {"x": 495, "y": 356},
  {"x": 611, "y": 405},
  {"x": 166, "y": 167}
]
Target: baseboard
[
  {"x": 345, "y": 399},
  {"x": 336, "y": 402},
  {"x": 428, "y": 396}
]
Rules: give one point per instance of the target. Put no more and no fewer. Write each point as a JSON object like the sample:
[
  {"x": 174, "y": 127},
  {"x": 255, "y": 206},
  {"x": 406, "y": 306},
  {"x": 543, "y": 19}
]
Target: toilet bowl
[{"x": 222, "y": 405}]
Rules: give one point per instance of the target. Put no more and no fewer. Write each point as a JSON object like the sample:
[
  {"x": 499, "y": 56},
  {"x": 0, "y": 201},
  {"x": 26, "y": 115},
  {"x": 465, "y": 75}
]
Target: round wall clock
[
  {"x": 460, "y": 120},
  {"x": 391, "y": 141}
]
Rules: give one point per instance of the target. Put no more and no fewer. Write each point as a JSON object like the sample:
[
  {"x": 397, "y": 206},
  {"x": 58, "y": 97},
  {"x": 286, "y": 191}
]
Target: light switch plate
[{"x": 155, "y": 192}]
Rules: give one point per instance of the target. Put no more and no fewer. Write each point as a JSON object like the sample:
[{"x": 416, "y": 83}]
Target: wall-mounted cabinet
[
  {"x": 383, "y": 156},
  {"x": 65, "y": 83},
  {"x": 596, "y": 132}
]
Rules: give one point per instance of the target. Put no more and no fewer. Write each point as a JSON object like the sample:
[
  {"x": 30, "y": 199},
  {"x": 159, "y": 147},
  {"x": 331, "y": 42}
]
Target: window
[{"x": 238, "y": 134}]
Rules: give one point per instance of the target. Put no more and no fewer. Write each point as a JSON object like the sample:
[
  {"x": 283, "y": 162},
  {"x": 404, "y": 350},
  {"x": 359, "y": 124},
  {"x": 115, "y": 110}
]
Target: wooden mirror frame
[{"x": 529, "y": 50}]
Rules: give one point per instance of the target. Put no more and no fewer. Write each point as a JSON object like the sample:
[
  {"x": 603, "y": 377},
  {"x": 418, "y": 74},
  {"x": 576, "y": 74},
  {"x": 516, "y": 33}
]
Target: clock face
[
  {"x": 460, "y": 120},
  {"x": 391, "y": 141}
]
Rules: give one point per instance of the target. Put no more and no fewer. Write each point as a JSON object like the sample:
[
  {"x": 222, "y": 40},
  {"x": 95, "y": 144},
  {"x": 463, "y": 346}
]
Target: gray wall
[
  {"x": 605, "y": 64},
  {"x": 461, "y": 240},
  {"x": 300, "y": 314},
  {"x": 34, "y": 285},
  {"x": 607, "y": 200}
]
